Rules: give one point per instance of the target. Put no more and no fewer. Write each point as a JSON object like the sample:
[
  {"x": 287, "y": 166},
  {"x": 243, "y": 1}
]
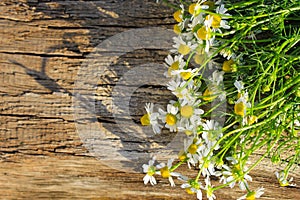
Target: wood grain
[{"x": 42, "y": 47}]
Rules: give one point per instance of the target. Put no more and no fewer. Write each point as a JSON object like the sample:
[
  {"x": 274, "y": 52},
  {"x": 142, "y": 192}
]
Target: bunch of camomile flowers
[{"x": 234, "y": 70}]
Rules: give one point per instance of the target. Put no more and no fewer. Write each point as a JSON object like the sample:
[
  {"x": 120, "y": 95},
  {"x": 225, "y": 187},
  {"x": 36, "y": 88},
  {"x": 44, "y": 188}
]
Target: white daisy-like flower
[
  {"x": 193, "y": 187},
  {"x": 195, "y": 21},
  {"x": 191, "y": 113},
  {"x": 185, "y": 91},
  {"x": 217, "y": 20},
  {"x": 209, "y": 189},
  {"x": 150, "y": 170},
  {"x": 196, "y": 8},
  {"x": 183, "y": 47},
  {"x": 235, "y": 174},
  {"x": 176, "y": 86},
  {"x": 184, "y": 74},
  {"x": 227, "y": 53},
  {"x": 215, "y": 87},
  {"x": 205, "y": 34},
  {"x": 282, "y": 179},
  {"x": 209, "y": 169},
  {"x": 217, "y": 77},
  {"x": 211, "y": 133},
  {"x": 151, "y": 118},
  {"x": 170, "y": 118},
  {"x": 178, "y": 15},
  {"x": 253, "y": 194},
  {"x": 188, "y": 129},
  {"x": 173, "y": 63},
  {"x": 193, "y": 147},
  {"x": 165, "y": 172},
  {"x": 241, "y": 105},
  {"x": 239, "y": 86},
  {"x": 222, "y": 10}
]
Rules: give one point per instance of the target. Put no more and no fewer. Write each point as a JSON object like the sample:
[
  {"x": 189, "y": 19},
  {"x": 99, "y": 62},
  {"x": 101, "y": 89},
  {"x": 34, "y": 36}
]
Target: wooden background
[{"x": 42, "y": 46}]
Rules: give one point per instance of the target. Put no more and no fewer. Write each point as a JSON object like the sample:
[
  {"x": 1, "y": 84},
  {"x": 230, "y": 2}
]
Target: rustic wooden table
[{"x": 43, "y": 43}]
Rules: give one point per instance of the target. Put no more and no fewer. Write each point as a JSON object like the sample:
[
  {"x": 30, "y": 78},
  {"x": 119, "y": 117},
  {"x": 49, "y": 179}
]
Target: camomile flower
[
  {"x": 185, "y": 91},
  {"x": 252, "y": 195},
  {"x": 204, "y": 33},
  {"x": 170, "y": 117},
  {"x": 227, "y": 53},
  {"x": 194, "y": 24},
  {"x": 214, "y": 88},
  {"x": 241, "y": 105},
  {"x": 195, "y": 9},
  {"x": 217, "y": 77},
  {"x": 178, "y": 15},
  {"x": 188, "y": 129},
  {"x": 222, "y": 11},
  {"x": 211, "y": 133},
  {"x": 184, "y": 74},
  {"x": 183, "y": 47},
  {"x": 193, "y": 187},
  {"x": 191, "y": 113},
  {"x": 235, "y": 174},
  {"x": 173, "y": 63},
  {"x": 229, "y": 66},
  {"x": 239, "y": 86},
  {"x": 209, "y": 189},
  {"x": 209, "y": 169},
  {"x": 150, "y": 170},
  {"x": 217, "y": 20},
  {"x": 193, "y": 147},
  {"x": 165, "y": 171},
  {"x": 282, "y": 179},
  {"x": 151, "y": 118},
  {"x": 176, "y": 86}
]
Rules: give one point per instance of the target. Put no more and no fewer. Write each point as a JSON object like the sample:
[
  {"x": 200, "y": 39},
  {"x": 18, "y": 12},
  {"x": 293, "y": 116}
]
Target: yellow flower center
[
  {"x": 237, "y": 167},
  {"x": 184, "y": 49},
  {"x": 199, "y": 58},
  {"x": 151, "y": 171},
  {"x": 179, "y": 95},
  {"x": 203, "y": 33},
  {"x": 208, "y": 95},
  {"x": 192, "y": 8},
  {"x": 178, "y": 16},
  {"x": 250, "y": 196},
  {"x": 284, "y": 184},
  {"x": 165, "y": 172},
  {"x": 185, "y": 75},
  {"x": 206, "y": 165},
  {"x": 228, "y": 65},
  {"x": 174, "y": 66},
  {"x": 171, "y": 119},
  {"x": 189, "y": 191},
  {"x": 182, "y": 156},
  {"x": 209, "y": 191},
  {"x": 177, "y": 29},
  {"x": 252, "y": 119},
  {"x": 192, "y": 148},
  {"x": 240, "y": 108},
  {"x": 145, "y": 120},
  {"x": 216, "y": 20},
  {"x": 186, "y": 111}
]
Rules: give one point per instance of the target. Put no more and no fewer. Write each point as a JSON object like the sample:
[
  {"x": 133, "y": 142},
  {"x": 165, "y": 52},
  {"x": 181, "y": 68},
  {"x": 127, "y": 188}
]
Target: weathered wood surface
[{"x": 43, "y": 43}]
